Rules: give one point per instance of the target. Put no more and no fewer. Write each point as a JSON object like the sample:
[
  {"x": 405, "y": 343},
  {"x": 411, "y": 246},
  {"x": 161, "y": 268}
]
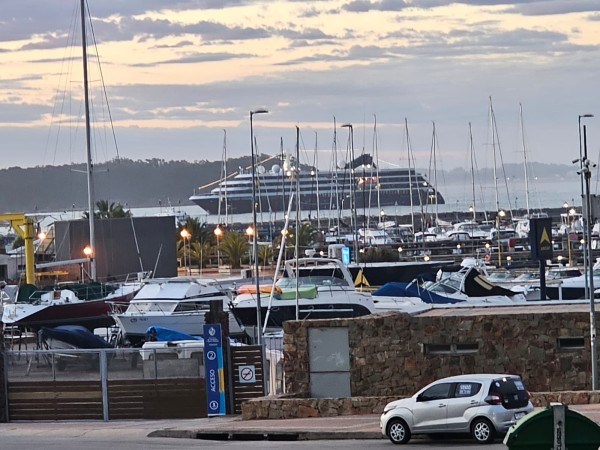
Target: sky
[{"x": 178, "y": 79}]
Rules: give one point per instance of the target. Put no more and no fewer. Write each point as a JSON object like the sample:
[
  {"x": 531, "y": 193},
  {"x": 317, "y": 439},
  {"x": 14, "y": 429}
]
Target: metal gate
[
  {"x": 247, "y": 374},
  {"x": 103, "y": 385}
]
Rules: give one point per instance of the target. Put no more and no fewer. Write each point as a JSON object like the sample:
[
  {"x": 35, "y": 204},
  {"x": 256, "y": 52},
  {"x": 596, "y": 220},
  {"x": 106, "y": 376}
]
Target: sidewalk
[{"x": 319, "y": 428}]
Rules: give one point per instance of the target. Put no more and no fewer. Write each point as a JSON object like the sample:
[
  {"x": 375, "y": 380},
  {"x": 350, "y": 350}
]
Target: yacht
[
  {"x": 178, "y": 304},
  {"x": 318, "y": 288},
  {"x": 325, "y": 190}
]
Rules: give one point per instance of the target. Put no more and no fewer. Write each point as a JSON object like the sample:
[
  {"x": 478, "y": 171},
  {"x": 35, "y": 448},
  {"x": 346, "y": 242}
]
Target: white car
[{"x": 480, "y": 404}]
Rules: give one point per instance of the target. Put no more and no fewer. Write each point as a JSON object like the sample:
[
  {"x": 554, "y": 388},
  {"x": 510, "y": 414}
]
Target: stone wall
[
  {"x": 395, "y": 354},
  {"x": 292, "y": 408}
]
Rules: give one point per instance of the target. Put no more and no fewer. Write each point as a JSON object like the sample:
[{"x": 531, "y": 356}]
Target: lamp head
[
  {"x": 347, "y": 125},
  {"x": 581, "y": 116},
  {"x": 259, "y": 111}
]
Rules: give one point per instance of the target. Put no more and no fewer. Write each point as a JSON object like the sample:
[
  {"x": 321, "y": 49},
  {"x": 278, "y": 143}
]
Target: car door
[
  {"x": 463, "y": 396},
  {"x": 429, "y": 413}
]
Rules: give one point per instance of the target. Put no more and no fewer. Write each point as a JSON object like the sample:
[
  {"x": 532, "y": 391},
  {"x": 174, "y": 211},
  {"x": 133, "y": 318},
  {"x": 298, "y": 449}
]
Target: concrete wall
[{"x": 395, "y": 354}]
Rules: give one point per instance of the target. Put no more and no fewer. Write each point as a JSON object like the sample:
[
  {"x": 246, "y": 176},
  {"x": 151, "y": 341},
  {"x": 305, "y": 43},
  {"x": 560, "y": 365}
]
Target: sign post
[
  {"x": 213, "y": 369},
  {"x": 540, "y": 241}
]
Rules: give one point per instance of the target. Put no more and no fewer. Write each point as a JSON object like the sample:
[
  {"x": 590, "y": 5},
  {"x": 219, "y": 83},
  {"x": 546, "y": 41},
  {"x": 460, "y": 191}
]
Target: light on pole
[
  {"x": 255, "y": 242},
  {"x": 185, "y": 234},
  {"x": 586, "y": 174},
  {"x": 218, "y": 234},
  {"x": 499, "y": 216},
  {"x": 581, "y": 164},
  {"x": 89, "y": 253}
]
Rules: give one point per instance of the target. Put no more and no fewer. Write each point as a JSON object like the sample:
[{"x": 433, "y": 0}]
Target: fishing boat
[
  {"x": 310, "y": 288},
  {"x": 319, "y": 189}
]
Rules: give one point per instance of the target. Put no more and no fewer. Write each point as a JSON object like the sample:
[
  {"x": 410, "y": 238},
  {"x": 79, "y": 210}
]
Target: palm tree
[
  {"x": 108, "y": 210},
  {"x": 234, "y": 247},
  {"x": 200, "y": 253}
]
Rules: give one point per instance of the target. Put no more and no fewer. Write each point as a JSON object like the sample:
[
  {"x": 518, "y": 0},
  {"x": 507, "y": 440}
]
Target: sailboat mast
[
  {"x": 524, "y": 159},
  {"x": 435, "y": 181},
  {"x": 410, "y": 192},
  {"x": 316, "y": 163},
  {"x": 88, "y": 144},
  {"x": 472, "y": 152},
  {"x": 297, "y": 246},
  {"x": 493, "y": 127},
  {"x": 376, "y": 156}
]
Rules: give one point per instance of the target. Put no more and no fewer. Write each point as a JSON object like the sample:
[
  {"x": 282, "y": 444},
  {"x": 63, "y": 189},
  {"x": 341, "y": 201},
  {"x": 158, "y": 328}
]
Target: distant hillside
[{"x": 142, "y": 183}]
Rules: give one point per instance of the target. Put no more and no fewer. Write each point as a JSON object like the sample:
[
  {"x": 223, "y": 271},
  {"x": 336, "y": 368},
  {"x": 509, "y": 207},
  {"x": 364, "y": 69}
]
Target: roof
[{"x": 546, "y": 307}]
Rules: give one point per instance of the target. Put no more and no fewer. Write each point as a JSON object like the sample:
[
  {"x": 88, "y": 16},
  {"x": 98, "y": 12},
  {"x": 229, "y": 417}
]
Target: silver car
[{"x": 483, "y": 405}]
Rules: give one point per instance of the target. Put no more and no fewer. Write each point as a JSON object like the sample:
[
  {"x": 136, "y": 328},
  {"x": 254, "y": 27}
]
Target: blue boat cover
[
  {"x": 165, "y": 334},
  {"x": 75, "y": 335}
]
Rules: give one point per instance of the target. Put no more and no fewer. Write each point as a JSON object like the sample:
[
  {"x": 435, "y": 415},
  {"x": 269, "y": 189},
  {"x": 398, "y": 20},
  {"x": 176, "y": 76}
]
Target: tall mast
[
  {"x": 493, "y": 129},
  {"x": 524, "y": 159},
  {"x": 297, "y": 245},
  {"x": 472, "y": 153},
  {"x": 223, "y": 195},
  {"x": 435, "y": 182},
  {"x": 88, "y": 144},
  {"x": 316, "y": 164},
  {"x": 410, "y": 192},
  {"x": 376, "y": 157}
]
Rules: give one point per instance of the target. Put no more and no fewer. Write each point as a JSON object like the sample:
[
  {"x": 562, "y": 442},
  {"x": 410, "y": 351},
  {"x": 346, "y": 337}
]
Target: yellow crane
[{"x": 23, "y": 226}]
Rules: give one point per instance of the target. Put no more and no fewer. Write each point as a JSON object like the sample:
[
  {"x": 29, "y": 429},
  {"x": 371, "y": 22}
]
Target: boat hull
[
  {"x": 279, "y": 202},
  {"x": 279, "y": 314}
]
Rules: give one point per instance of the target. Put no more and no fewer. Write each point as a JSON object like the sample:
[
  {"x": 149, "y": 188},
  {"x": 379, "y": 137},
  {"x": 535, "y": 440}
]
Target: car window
[
  {"x": 466, "y": 389},
  {"x": 436, "y": 392}
]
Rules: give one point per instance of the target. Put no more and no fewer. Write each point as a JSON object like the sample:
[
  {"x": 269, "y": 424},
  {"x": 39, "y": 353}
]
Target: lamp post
[
  {"x": 581, "y": 164},
  {"x": 353, "y": 191},
  {"x": 218, "y": 233},
  {"x": 499, "y": 217},
  {"x": 586, "y": 175},
  {"x": 255, "y": 242},
  {"x": 89, "y": 253},
  {"x": 185, "y": 234}
]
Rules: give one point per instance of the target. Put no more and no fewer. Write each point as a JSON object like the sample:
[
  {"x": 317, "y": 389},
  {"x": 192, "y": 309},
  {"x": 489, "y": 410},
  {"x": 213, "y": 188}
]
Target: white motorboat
[
  {"x": 315, "y": 288},
  {"x": 179, "y": 303}
]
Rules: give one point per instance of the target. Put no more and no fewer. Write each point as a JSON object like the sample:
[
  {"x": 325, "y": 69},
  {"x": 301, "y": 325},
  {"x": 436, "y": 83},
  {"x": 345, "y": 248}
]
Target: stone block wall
[{"x": 395, "y": 354}]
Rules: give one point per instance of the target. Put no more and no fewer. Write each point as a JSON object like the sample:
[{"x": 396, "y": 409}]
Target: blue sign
[
  {"x": 346, "y": 255},
  {"x": 213, "y": 370}
]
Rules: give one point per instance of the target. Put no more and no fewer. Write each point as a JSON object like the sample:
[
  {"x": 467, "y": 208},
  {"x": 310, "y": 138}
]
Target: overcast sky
[{"x": 178, "y": 73}]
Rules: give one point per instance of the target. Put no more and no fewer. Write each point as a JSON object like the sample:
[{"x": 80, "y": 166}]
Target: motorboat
[
  {"x": 65, "y": 339},
  {"x": 178, "y": 303},
  {"x": 85, "y": 304},
  {"x": 465, "y": 287},
  {"x": 310, "y": 288}
]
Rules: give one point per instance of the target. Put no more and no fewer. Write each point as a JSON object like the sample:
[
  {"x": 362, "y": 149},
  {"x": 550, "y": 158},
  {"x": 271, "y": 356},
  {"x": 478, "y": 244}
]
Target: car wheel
[
  {"x": 398, "y": 431},
  {"x": 483, "y": 431}
]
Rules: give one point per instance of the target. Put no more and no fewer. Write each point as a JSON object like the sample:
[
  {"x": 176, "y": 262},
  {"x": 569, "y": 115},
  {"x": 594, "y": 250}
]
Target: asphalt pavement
[{"x": 234, "y": 428}]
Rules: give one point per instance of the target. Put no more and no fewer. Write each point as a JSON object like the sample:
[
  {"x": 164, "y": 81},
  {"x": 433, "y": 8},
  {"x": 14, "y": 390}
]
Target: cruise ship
[{"x": 324, "y": 190}]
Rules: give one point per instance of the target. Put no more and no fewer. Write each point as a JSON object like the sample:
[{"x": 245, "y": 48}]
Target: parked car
[{"x": 483, "y": 405}]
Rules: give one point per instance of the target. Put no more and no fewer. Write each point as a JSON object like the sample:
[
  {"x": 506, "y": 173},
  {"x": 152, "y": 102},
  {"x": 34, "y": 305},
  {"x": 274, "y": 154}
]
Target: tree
[
  {"x": 108, "y": 210},
  {"x": 234, "y": 246}
]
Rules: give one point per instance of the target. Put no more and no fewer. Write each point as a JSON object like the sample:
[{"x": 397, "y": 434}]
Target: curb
[{"x": 264, "y": 435}]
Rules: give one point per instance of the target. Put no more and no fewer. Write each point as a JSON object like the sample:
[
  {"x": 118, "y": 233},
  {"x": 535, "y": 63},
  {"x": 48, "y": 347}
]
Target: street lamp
[
  {"x": 581, "y": 165},
  {"x": 353, "y": 190},
  {"x": 89, "y": 253},
  {"x": 218, "y": 233},
  {"x": 255, "y": 242},
  {"x": 499, "y": 216},
  {"x": 586, "y": 174},
  {"x": 185, "y": 234}
]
